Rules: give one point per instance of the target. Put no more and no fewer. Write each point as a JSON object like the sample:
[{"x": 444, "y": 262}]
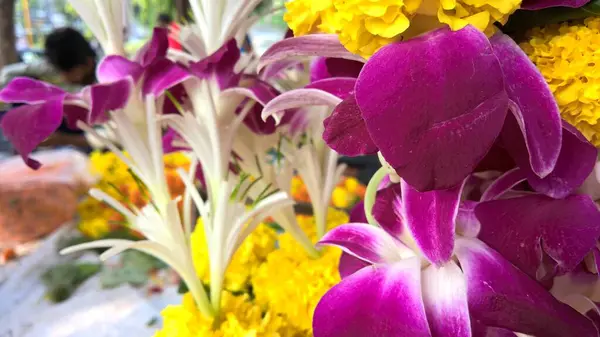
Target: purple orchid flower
[
  {"x": 416, "y": 275},
  {"x": 151, "y": 67},
  {"x": 425, "y": 113},
  {"x": 220, "y": 66},
  {"x": 328, "y": 67},
  {"x": 534, "y": 235},
  {"x": 47, "y": 105},
  {"x": 541, "y": 4}
]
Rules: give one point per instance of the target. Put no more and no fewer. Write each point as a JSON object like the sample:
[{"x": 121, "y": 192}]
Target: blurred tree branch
[{"x": 8, "y": 50}]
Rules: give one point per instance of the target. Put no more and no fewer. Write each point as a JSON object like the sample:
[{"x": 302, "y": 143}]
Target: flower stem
[
  {"x": 371, "y": 194},
  {"x": 320, "y": 221},
  {"x": 199, "y": 294}
]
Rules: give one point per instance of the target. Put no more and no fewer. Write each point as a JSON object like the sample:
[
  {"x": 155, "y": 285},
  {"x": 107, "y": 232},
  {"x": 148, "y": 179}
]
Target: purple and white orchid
[
  {"x": 423, "y": 271},
  {"x": 444, "y": 90}
]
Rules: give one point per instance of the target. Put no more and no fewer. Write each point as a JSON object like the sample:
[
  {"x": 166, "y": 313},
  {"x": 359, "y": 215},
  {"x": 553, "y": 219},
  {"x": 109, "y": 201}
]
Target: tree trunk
[{"x": 8, "y": 51}]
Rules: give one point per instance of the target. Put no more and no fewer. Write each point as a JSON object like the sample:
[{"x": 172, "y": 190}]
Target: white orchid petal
[{"x": 94, "y": 245}]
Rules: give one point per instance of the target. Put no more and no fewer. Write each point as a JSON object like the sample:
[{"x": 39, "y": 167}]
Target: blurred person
[
  {"x": 165, "y": 20},
  {"x": 70, "y": 63}
]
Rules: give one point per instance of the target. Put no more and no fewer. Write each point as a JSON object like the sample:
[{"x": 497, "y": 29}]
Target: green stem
[{"x": 371, "y": 194}]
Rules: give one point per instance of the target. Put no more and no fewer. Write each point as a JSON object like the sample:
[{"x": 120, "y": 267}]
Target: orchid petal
[
  {"x": 382, "y": 301},
  {"x": 262, "y": 93},
  {"x": 369, "y": 243},
  {"x": 497, "y": 159},
  {"x": 424, "y": 98},
  {"x": 27, "y": 126},
  {"x": 575, "y": 163},
  {"x": 114, "y": 68},
  {"x": 326, "y": 45},
  {"x": 27, "y": 90},
  {"x": 495, "y": 332},
  {"x": 349, "y": 265},
  {"x": 318, "y": 69},
  {"x": 176, "y": 98},
  {"x": 168, "y": 142},
  {"x": 105, "y": 97},
  {"x": 358, "y": 213},
  {"x": 467, "y": 224},
  {"x": 340, "y": 87},
  {"x": 502, "y": 296},
  {"x": 326, "y": 67},
  {"x": 507, "y": 181},
  {"x": 220, "y": 64},
  {"x": 532, "y": 104},
  {"x": 519, "y": 228},
  {"x": 155, "y": 49},
  {"x": 74, "y": 114},
  {"x": 274, "y": 70},
  {"x": 430, "y": 217},
  {"x": 162, "y": 75},
  {"x": 387, "y": 210},
  {"x": 541, "y": 4},
  {"x": 591, "y": 185},
  {"x": 346, "y": 132},
  {"x": 296, "y": 99},
  {"x": 480, "y": 330},
  {"x": 445, "y": 299}
]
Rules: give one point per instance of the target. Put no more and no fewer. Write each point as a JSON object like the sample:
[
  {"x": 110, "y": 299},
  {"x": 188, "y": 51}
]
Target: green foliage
[
  {"x": 62, "y": 280},
  {"x": 146, "y": 11},
  {"x": 134, "y": 269}
]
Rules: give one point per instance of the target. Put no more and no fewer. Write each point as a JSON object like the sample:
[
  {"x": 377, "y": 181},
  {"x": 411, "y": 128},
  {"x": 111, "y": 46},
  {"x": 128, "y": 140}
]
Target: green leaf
[
  {"x": 135, "y": 269},
  {"x": 62, "y": 280},
  {"x": 183, "y": 288}
]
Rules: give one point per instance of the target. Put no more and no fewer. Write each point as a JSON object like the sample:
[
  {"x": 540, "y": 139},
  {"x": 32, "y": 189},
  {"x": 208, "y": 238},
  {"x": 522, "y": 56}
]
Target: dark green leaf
[{"x": 522, "y": 20}]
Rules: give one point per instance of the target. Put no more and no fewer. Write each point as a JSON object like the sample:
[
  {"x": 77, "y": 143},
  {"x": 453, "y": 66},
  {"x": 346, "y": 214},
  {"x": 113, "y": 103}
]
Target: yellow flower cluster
[
  {"x": 286, "y": 285},
  {"x": 245, "y": 261},
  {"x": 347, "y": 193},
  {"x": 240, "y": 318},
  {"x": 98, "y": 219},
  {"x": 567, "y": 56},
  {"x": 290, "y": 283},
  {"x": 364, "y": 26}
]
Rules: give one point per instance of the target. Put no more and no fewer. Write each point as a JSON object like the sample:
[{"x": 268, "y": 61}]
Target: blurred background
[{"x": 25, "y": 23}]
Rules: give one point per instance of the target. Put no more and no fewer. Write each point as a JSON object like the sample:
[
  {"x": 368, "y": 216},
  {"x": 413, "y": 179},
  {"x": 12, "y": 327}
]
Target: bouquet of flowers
[{"x": 476, "y": 224}]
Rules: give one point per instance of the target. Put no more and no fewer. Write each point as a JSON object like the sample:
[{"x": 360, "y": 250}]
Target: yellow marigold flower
[
  {"x": 290, "y": 283},
  {"x": 117, "y": 181},
  {"x": 245, "y": 261},
  {"x": 177, "y": 160},
  {"x": 305, "y": 17},
  {"x": 364, "y": 26},
  {"x": 341, "y": 197},
  {"x": 567, "y": 57},
  {"x": 95, "y": 227},
  {"x": 240, "y": 318}
]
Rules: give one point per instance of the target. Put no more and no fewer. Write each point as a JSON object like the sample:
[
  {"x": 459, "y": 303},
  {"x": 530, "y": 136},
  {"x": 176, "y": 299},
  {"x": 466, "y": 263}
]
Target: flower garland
[{"x": 566, "y": 55}]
